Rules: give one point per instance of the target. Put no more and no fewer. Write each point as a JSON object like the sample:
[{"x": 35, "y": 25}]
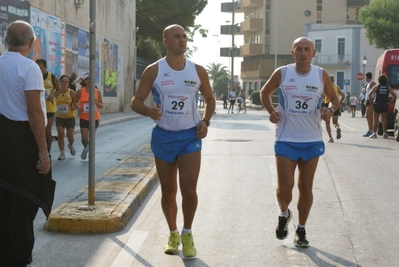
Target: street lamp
[{"x": 364, "y": 62}]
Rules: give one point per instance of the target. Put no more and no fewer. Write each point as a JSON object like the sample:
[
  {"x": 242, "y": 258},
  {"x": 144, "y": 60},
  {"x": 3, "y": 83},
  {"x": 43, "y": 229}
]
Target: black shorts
[
  {"x": 232, "y": 102},
  {"x": 380, "y": 108},
  {"x": 65, "y": 122},
  {"x": 85, "y": 123},
  {"x": 50, "y": 114}
]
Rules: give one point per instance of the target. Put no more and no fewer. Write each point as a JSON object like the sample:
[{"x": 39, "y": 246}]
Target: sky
[{"x": 208, "y": 48}]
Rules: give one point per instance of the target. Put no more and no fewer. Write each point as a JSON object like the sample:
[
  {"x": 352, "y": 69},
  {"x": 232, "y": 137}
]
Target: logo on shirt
[
  {"x": 291, "y": 87},
  {"x": 167, "y": 82},
  {"x": 178, "y": 97},
  {"x": 190, "y": 83},
  {"x": 292, "y": 80},
  {"x": 166, "y": 74},
  {"x": 311, "y": 88}
]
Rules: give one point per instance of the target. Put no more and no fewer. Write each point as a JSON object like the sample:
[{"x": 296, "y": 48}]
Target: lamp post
[
  {"x": 364, "y": 62},
  {"x": 217, "y": 46}
]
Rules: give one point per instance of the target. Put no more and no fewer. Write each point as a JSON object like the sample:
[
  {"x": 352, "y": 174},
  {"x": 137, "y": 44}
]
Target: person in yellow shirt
[
  {"x": 52, "y": 89},
  {"x": 65, "y": 117},
  {"x": 326, "y": 101}
]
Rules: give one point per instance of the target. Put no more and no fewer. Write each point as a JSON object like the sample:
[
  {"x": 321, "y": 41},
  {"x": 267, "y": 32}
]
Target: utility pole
[
  {"x": 92, "y": 102},
  {"x": 232, "y": 47}
]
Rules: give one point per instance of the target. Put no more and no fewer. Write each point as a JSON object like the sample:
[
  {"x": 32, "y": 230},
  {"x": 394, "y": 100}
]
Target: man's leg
[
  {"x": 328, "y": 128},
  {"x": 189, "y": 167},
  {"x": 285, "y": 181},
  {"x": 167, "y": 173},
  {"x": 49, "y": 135},
  {"x": 306, "y": 171}
]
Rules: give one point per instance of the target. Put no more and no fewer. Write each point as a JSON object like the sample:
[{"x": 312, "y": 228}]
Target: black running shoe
[
  {"x": 300, "y": 238},
  {"x": 282, "y": 226}
]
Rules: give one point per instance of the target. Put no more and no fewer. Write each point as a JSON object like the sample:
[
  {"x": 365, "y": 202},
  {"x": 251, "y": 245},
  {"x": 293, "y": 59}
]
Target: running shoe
[
  {"x": 373, "y": 136},
  {"x": 331, "y": 140},
  {"x": 173, "y": 244},
  {"x": 338, "y": 133},
  {"x": 61, "y": 156},
  {"x": 282, "y": 226},
  {"x": 385, "y": 136},
  {"x": 189, "y": 250},
  {"x": 84, "y": 153},
  {"x": 367, "y": 134},
  {"x": 300, "y": 238},
  {"x": 72, "y": 149}
]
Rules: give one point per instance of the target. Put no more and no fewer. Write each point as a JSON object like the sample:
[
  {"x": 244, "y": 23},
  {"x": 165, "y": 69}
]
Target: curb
[{"x": 118, "y": 194}]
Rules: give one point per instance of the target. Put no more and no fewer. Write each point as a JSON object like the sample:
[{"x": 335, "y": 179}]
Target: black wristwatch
[{"x": 207, "y": 122}]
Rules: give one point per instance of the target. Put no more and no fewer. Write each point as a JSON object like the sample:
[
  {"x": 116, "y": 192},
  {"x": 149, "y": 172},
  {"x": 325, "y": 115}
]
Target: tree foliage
[
  {"x": 148, "y": 49},
  {"x": 381, "y": 21},
  {"x": 152, "y": 16}
]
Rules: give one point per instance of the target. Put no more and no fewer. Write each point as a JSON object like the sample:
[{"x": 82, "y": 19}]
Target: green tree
[
  {"x": 219, "y": 76},
  {"x": 381, "y": 21},
  {"x": 152, "y": 16},
  {"x": 148, "y": 49}
]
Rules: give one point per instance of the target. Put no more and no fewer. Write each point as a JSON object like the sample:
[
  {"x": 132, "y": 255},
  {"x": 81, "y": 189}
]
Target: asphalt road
[{"x": 352, "y": 222}]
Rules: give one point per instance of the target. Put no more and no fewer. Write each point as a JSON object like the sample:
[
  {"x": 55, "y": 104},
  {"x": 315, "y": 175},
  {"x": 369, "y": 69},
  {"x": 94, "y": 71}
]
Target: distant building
[{"x": 270, "y": 27}]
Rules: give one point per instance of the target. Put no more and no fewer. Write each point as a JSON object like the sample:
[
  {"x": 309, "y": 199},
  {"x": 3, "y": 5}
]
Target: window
[
  {"x": 317, "y": 46},
  {"x": 341, "y": 50}
]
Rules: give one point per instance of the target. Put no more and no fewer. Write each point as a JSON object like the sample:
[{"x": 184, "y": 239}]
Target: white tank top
[
  {"x": 177, "y": 91},
  {"x": 299, "y": 102}
]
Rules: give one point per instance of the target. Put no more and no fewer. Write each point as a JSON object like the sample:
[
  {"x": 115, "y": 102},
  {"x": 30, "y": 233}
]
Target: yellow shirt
[
  {"x": 326, "y": 100},
  {"x": 64, "y": 101},
  {"x": 48, "y": 89}
]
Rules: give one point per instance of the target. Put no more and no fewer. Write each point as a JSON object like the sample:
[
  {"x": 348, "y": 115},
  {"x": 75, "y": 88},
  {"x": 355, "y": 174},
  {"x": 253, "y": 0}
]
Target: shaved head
[
  {"x": 301, "y": 40},
  {"x": 167, "y": 29}
]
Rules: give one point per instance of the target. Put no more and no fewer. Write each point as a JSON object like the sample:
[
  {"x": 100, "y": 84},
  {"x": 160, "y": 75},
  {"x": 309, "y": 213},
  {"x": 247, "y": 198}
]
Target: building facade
[
  {"x": 63, "y": 39},
  {"x": 270, "y": 27}
]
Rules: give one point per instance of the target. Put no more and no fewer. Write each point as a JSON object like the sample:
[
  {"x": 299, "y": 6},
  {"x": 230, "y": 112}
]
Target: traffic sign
[
  {"x": 347, "y": 82},
  {"x": 359, "y": 76}
]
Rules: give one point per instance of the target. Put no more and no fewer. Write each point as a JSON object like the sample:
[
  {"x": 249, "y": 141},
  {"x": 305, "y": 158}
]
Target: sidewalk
[{"x": 118, "y": 193}]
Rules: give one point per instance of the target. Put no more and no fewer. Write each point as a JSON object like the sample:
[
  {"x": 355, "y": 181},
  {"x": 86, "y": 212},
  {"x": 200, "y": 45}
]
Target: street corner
[{"x": 118, "y": 195}]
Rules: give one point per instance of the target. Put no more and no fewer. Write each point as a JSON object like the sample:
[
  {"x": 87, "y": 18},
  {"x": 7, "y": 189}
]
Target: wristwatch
[{"x": 207, "y": 122}]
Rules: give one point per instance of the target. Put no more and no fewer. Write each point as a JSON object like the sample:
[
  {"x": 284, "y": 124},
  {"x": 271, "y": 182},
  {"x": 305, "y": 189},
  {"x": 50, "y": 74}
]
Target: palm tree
[{"x": 219, "y": 76}]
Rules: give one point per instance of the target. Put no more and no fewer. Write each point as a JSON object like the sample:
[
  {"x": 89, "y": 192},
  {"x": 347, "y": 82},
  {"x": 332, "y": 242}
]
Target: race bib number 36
[
  {"x": 301, "y": 105},
  {"x": 178, "y": 105}
]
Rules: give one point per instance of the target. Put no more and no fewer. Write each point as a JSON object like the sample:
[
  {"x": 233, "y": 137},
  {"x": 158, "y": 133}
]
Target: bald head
[
  {"x": 303, "y": 40},
  {"x": 167, "y": 30},
  {"x": 19, "y": 34}
]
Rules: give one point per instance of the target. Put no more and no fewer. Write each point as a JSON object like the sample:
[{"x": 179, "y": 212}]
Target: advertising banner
[
  {"x": 11, "y": 10},
  {"x": 48, "y": 40}
]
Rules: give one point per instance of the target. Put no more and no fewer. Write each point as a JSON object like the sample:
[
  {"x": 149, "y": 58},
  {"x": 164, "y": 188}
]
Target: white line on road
[{"x": 129, "y": 251}]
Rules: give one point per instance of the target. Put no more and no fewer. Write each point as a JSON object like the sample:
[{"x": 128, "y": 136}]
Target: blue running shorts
[
  {"x": 168, "y": 145},
  {"x": 296, "y": 151}
]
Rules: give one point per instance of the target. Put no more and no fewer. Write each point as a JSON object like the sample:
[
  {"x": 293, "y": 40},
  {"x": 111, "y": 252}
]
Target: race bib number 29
[{"x": 178, "y": 105}]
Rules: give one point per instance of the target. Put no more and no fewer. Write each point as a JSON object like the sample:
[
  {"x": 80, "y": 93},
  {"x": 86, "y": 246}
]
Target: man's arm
[
  {"x": 266, "y": 95},
  {"x": 342, "y": 94},
  {"x": 143, "y": 90},
  {"x": 393, "y": 95},
  {"x": 372, "y": 91},
  {"x": 206, "y": 92},
  {"x": 37, "y": 124}
]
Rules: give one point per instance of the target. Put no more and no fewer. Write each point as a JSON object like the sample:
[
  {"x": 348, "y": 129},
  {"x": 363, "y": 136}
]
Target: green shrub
[{"x": 256, "y": 98}]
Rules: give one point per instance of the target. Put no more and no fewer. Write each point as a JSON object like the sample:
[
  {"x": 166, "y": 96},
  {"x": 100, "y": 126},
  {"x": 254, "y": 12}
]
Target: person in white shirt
[
  {"x": 298, "y": 131},
  {"x": 25, "y": 168},
  {"x": 353, "y": 102},
  {"x": 176, "y": 139}
]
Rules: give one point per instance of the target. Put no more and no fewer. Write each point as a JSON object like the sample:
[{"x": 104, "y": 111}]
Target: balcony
[
  {"x": 228, "y": 52},
  {"x": 250, "y": 4},
  {"x": 250, "y": 49},
  {"x": 338, "y": 60},
  {"x": 357, "y": 3},
  {"x": 251, "y": 25}
]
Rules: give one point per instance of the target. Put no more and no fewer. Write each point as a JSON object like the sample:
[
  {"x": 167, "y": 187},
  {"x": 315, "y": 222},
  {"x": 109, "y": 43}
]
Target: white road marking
[{"x": 129, "y": 251}]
